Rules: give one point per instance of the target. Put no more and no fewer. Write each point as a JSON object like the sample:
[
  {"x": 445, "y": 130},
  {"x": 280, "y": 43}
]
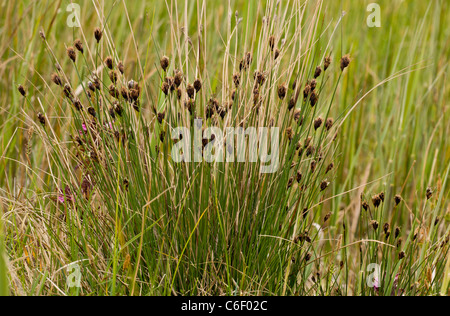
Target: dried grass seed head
[
  {"x": 237, "y": 79},
  {"x": 317, "y": 72},
  {"x": 56, "y": 79},
  {"x": 121, "y": 67},
  {"x": 324, "y": 185},
  {"x": 397, "y": 199},
  {"x": 429, "y": 193},
  {"x": 314, "y": 98},
  {"x": 282, "y": 90},
  {"x": 190, "y": 90},
  {"x": 72, "y": 54},
  {"x": 374, "y": 224},
  {"x": 113, "y": 76},
  {"x": 345, "y": 62},
  {"x": 272, "y": 42},
  {"x": 276, "y": 54},
  {"x": 289, "y": 133},
  {"x": 178, "y": 78},
  {"x": 326, "y": 63},
  {"x": 109, "y": 62},
  {"x": 79, "y": 45},
  {"x": 318, "y": 123},
  {"x": 376, "y": 200},
  {"x": 22, "y": 90},
  {"x": 165, "y": 63},
  {"x": 329, "y": 124},
  {"x": 41, "y": 119},
  {"x": 197, "y": 85},
  {"x": 98, "y": 34}
]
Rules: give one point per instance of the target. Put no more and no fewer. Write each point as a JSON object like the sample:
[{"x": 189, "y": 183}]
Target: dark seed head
[
  {"x": 326, "y": 63},
  {"x": 248, "y": 58},
  {"x": 397, "y": 232},
  {"x": 56, "y": 79},
  {"x": 310, "y": 150},
  {"x": 307, "y": 91},
  {"x": 97, "y": 84},
  {"x": 68, "y": 91},
  {"x": 125, "y": 93},
  {"x": 165, "y": 63},
  {"x": 299, "y": 177},
  {"x": 282, "y": 90},
  {"x": 436, "y": 222},
  {"x": 327, "y": 217},
  {"x": 92, "y": 112},
  {"x": 324, "y": 185},
  {"x": 72, "y": 54},
  {"x": 113, "y": 76},
  {"x": 298, "y": 116},
  {"x": 272, "y": 42},
  {"x": 190, "y": 90},
  {"x": 171, "y": 82},
  {"x": 313, "y": 84},
  {"x": 178, "y": 78},
  {"x": 376, "y": 200},
  {"x": 260, "y": 77},
  {"x": 317, "y": 72},
  {"x": 329, "y": 124},
  {"x": 276, "y": 54},
  {"x": 135, "y": 93},
  {"x": 121, "y": 67},
  {"x": 98, "y": 34},
  {"x": 329, "y": 168},
  {"x": 290, "y": 183},
  {"x": 318, "y": 123},
  {"x": 118, "y": 108},
  {"x": 386, "y": 227},
  {"x": 307, "y": 257},
  {"x": 113, "y": 91},
  {"x": 41, "y": 119},
  {"x": 374, "y": 225},
  {"x": 109, "y": 62},
  {"x": 237, "y": 79},
  {"x": 429, "y": 193},
  {"x": 197, "y": 85},
  {"x": 22, "y": 90},
  {"x": 79, "y": 46},
  {"x": 289, "y": 133},
  {"x": 365, "y": 205},
  {"x": 165, "y": 88},
  {"x": 397, "y": 199},
  {"x": 161, "y": 117},
  {"x": 345, "y": 61},
  {"x": 401, "y": 255},
  {"x": 314, "y": 98},
  {"x": 77, "y": 104},
  {"x": 112, "y": 112}
]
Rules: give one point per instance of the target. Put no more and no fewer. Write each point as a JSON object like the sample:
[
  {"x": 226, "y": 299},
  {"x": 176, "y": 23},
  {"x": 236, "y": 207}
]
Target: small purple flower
[
  {"x": 376, "y": 285},
  {"x": 66, "y": 195}
]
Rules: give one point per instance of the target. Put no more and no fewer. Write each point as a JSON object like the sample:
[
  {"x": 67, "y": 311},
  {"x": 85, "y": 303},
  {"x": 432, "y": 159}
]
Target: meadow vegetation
[{"x": 88, "y": 183}]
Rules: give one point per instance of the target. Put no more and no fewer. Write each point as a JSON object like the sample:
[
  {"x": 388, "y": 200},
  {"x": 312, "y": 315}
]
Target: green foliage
[{"x": 137, "y": 223}]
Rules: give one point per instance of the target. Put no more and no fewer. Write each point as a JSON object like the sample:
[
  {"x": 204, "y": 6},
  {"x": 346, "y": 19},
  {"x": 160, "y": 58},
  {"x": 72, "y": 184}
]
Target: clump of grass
[{"x": 138, "y": 222}]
